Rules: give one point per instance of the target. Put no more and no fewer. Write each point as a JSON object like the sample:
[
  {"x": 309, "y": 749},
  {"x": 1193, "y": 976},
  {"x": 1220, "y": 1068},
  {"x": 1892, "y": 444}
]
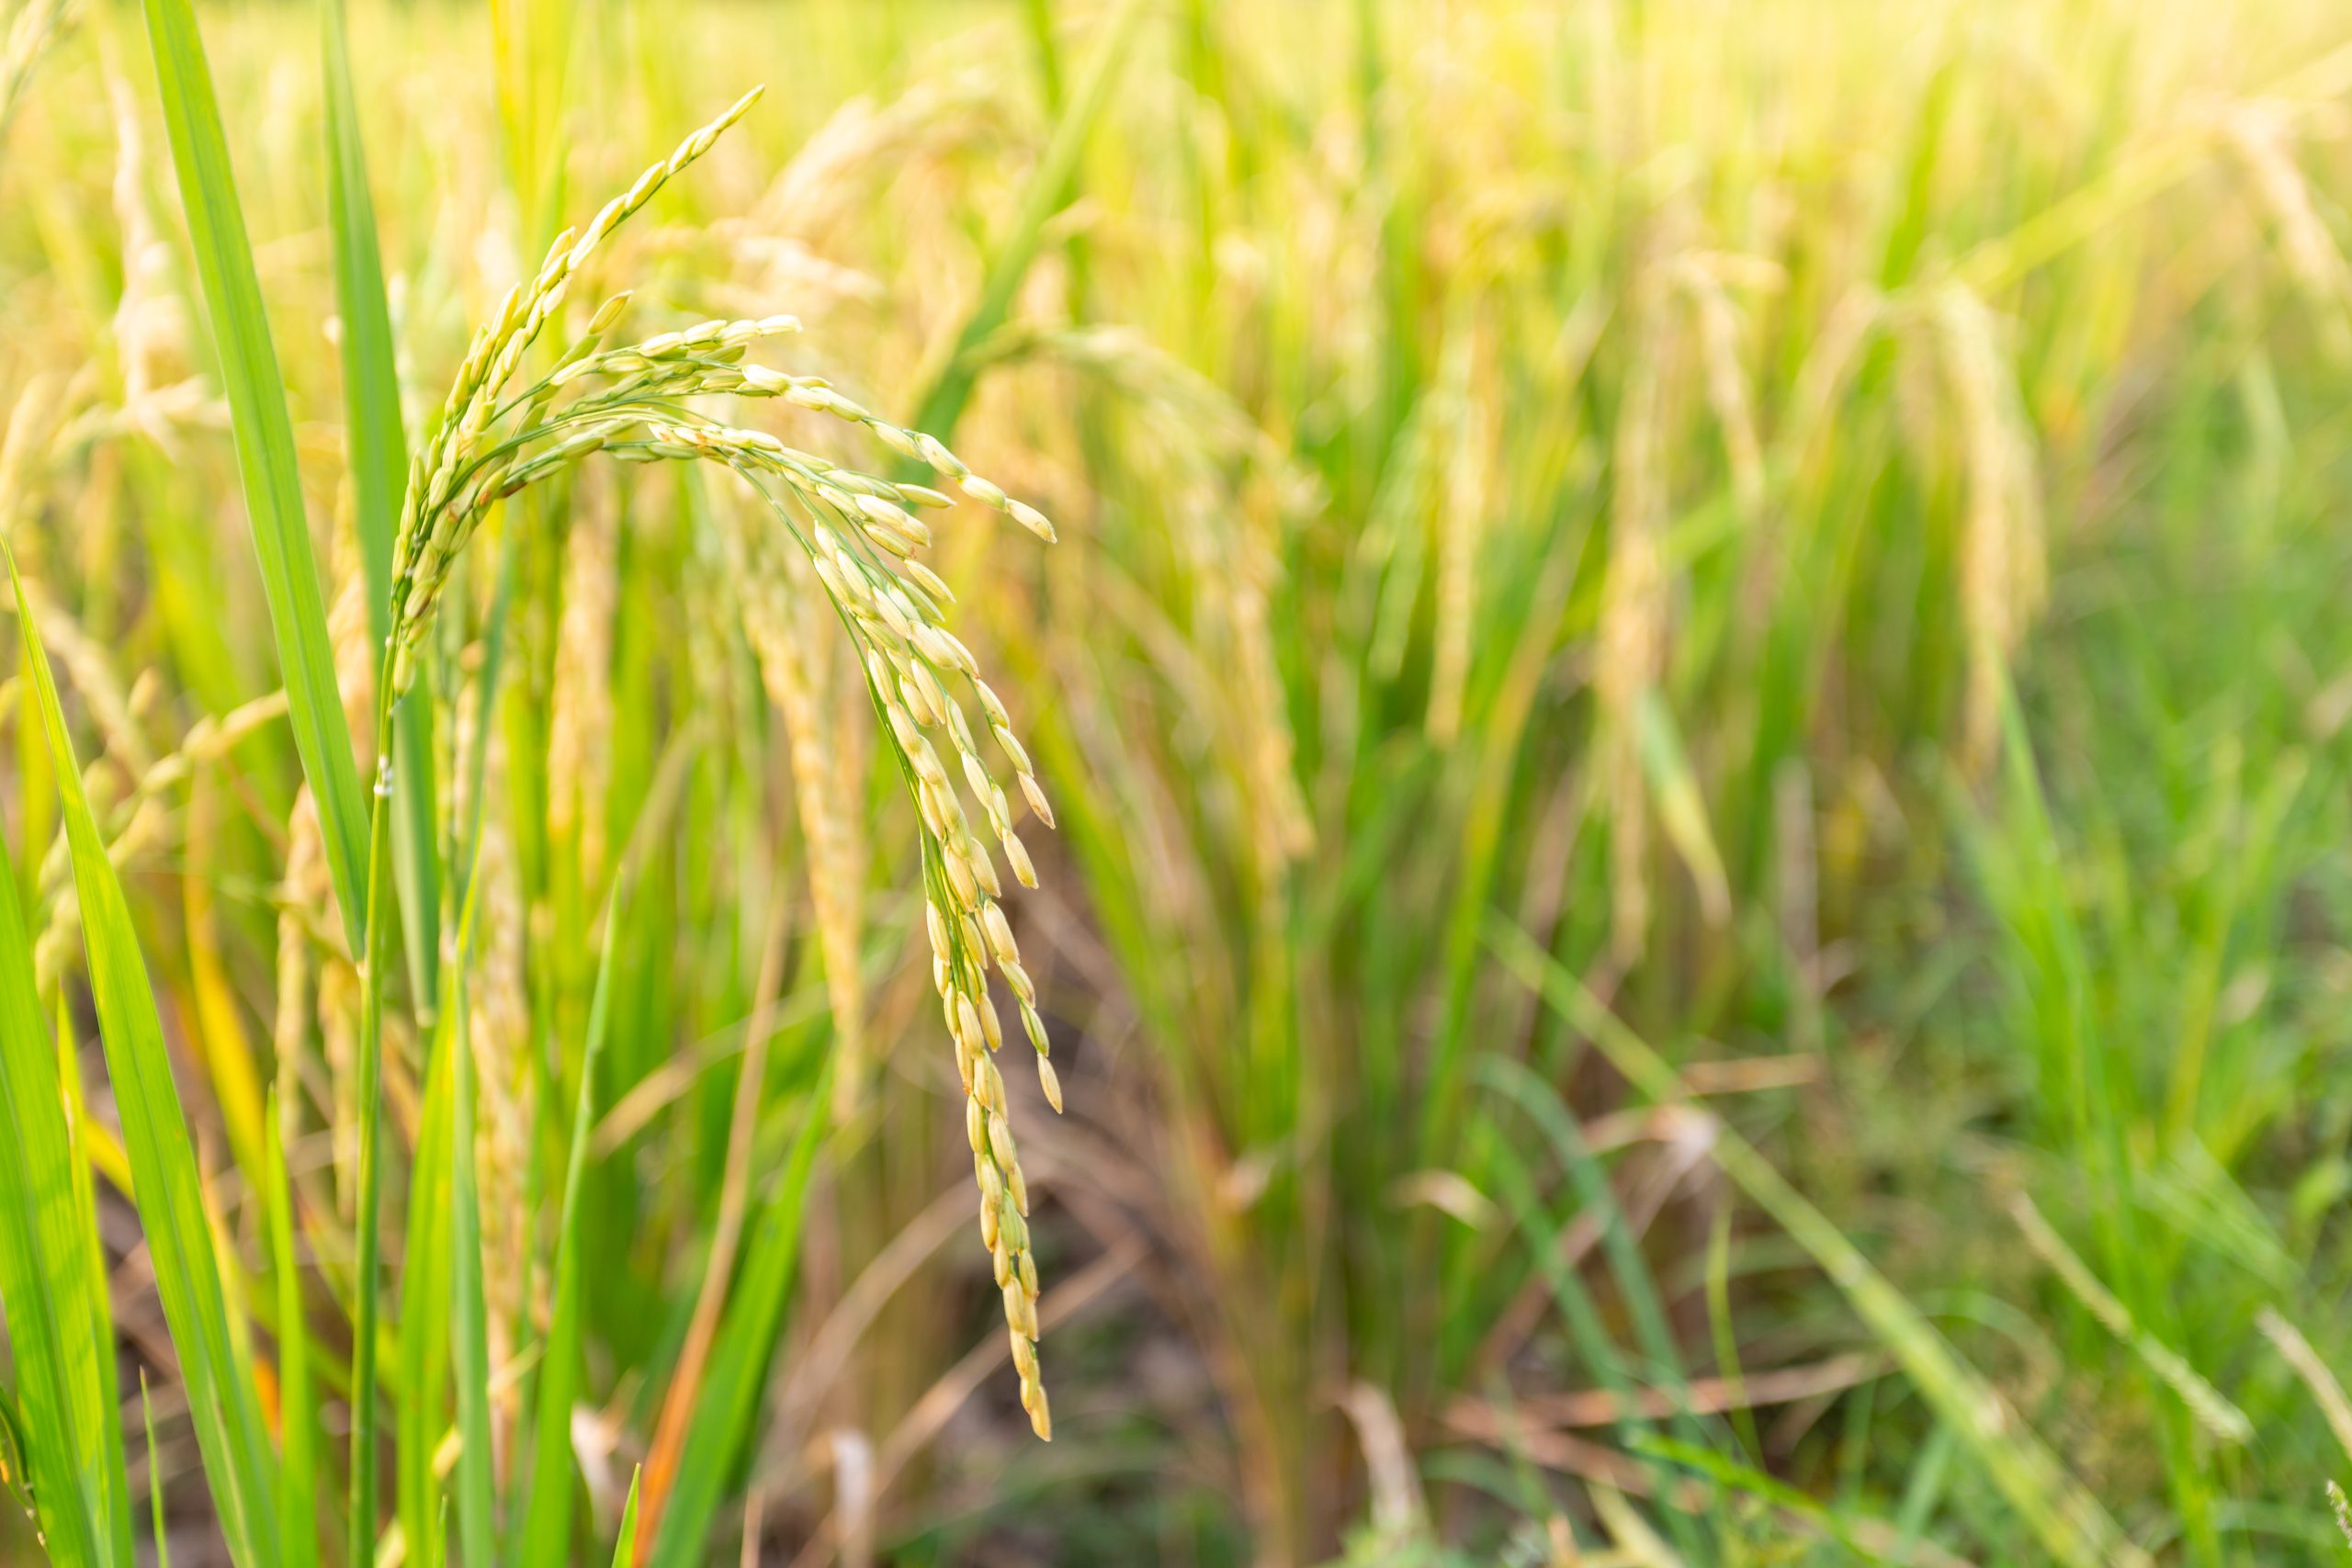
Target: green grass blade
[
  {"x": 2221, "y": 1419},
  {"x": 85, "y": 1222},
  {"x": 15, "y": 1477},
  {"x": 1639, "y": 1291},
  {"x": 542, "y": 1527},
  {"x": 1587, "y": 1330},
  {"x": 1048, "y": 190},
  {"x": 1681, "y": 806},
  {"x": 1726, "y": 1342},
  {"x": 531, "y": 43},
  {"x": 623, "y": 1556},
  {"x": 1836, "y": 1523},
  {"x": 470, "y": 1333},
  {"x": 377, "y": 453},
  {"x": 470, "y": 1339},
  {"x": 2072, "y": 1523},
  {"x": 297, "y": 1528},
  {"x": 154, "y": 1477},
  {"x": 737, "y": 1374},
  {"x": 546, "y": 1525},
  {"x": 367, "y": 1298},
  {"x": 378, "y": 447},
  {"x": 420, "y": 1378},
  {"x": 51, "y": 1281},
  {"x": 1661, "y": 1366},
  {"x": 237, "y": 1460},
  {"x": 399, "y": 836},
  {"x": 265, "y": 456}
]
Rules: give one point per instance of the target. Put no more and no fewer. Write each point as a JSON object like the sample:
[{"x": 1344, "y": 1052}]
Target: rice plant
[{"x": 1688, "y": 717}]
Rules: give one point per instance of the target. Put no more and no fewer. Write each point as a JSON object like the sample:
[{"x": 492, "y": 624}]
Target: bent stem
[{"x": 376, "y": 942}]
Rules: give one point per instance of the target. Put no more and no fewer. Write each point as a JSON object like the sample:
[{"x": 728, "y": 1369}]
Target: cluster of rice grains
[{"x": 861, "y": 535}]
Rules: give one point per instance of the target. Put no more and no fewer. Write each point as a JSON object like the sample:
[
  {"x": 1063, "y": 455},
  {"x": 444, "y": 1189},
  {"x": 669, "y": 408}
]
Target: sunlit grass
[{"x": 1694, "y": 691}]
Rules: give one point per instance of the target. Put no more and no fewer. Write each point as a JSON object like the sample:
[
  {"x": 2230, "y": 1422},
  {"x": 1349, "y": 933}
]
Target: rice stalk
[{"x": 861, "y": 535}]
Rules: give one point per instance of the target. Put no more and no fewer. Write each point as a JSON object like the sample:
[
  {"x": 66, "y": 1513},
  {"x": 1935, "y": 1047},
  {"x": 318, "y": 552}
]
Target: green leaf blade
[
  {"x": 377, "y": 455},
  {"x": 624, "y": 1553},
  {"x": 1048, "y": 191},
  {"x": 470, "y": 1339},
  {"x": 732, "y": 1390},
  {"x": 265, "y": 438},
  {"x": 298, "y": 1436},
  {"x": 51, "y": 1281},
  {"x": 165, "y": 1181},
  {"x": 546, "y": 1526},
  {"x": 420, "y": 1377}
]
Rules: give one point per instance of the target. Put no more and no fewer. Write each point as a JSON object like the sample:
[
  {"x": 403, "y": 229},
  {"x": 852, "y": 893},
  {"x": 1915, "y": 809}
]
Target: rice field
[{"x": 1372, "y": 783}]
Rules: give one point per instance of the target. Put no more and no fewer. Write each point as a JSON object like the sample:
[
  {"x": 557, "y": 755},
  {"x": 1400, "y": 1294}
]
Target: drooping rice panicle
[{"x": 862, "y": 536}]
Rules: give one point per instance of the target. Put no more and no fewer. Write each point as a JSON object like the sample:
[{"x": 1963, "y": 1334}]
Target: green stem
[{"x": 378, "y": 943}]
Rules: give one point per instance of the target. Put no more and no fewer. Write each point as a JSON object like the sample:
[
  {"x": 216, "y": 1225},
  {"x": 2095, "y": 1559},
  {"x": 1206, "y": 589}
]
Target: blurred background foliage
[{"x": 1798, "y": 547}]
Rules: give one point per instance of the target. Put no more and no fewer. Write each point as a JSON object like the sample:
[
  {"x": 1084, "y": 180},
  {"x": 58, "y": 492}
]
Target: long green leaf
[
  {"x": 1635, "y": 1287},
  {"x": 378, "y": 460},
  {"x": 624, "y": 1553},
  {"x": 51, "y": 1274},
  {"x": 545, "y": 1527},
  {"x": 542, "y": 1530},
  {"x": 747, "y": 1337},
  {"x": 1048, "y": 191},
  {"x": 531, "y": 45},
  {"x": 16, "y": 1478},
  {"x": 266, "y": 458},
  {"x": 1644, "y": 1305},
  {"x": 402, "y": 848},
  {"x": 378, "y": 446},
  {"x": 471, "y": 1343},
  {"x": 420, "y": 1375},
  {"x": 165, "y": 1179},
  {"x": 469, "y": 1332},
  {"x": 154, "y": 1477},
  {"x": 359, "y": 1539},
  {"x": 298, "y": 1528}
]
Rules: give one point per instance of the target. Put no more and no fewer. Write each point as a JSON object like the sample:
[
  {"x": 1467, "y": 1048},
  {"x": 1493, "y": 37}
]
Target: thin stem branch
[{"x": 377, "y": 928}]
